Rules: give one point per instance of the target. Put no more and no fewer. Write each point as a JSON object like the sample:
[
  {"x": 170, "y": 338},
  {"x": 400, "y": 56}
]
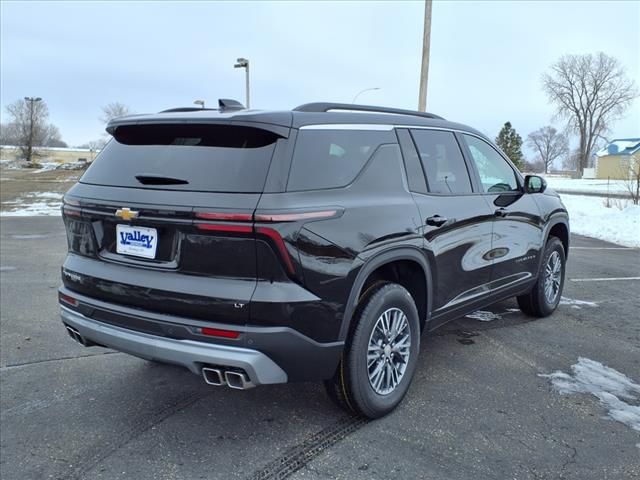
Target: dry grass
[{"x": 15, "y": 183}]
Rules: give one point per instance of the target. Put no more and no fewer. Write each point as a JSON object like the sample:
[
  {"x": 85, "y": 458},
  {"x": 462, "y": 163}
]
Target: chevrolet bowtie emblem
[{"x": 126, "y": 214}]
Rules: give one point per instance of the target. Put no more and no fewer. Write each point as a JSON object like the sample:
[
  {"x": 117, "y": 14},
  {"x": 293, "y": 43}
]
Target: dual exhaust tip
[
  {"x": 75, "y": 335},
  {"x": 236, "y": 379}
]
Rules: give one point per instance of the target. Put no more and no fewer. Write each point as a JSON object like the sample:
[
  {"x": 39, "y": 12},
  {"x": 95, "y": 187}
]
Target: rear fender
[{"x": 388, "y": 256}]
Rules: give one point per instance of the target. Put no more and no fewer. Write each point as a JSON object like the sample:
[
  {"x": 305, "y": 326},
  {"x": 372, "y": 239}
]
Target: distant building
[
  {"x": 615, "y": 160},
  {"x": 51, "y": 154}
]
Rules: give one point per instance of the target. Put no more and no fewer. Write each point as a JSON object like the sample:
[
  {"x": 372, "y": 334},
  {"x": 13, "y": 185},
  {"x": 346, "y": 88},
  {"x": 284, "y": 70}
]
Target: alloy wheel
[
  {"x": 552, "y": 278},
  {"x": 388, "y": 351}
]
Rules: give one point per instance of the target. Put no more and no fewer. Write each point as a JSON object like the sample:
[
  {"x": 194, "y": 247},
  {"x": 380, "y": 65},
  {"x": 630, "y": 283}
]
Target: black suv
[{"x": 261, "y": 247}]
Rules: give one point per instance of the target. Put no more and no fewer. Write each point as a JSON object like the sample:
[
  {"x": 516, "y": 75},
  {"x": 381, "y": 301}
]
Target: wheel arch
[
  {"x": 559, "y": 227},
  {"x": 378, "y": 262}
]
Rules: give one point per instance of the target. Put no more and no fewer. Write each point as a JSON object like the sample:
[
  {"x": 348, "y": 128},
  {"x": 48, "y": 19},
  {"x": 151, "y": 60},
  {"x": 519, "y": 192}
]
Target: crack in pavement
[
  {"x": 570, "y": 461},
  {"x": 550, "y": 437},
  {"x": 48, "y": 360}
]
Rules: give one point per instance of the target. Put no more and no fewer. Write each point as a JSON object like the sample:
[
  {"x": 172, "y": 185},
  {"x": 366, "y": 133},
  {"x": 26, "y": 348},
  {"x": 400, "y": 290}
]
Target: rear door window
[
  {"x": 442, "y": 161},
  {"x": 208, "y": 158},
  {"x": 326, "y": 158}
]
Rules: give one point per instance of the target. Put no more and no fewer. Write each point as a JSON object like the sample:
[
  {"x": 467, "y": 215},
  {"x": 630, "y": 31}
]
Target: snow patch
[
  {"x": 577, "y": 304},
  {"x": 34, "y": 204},
  {"x": 32, "y": 195},
  {"x": 484, "y": 316},
  {"x": 46, "y": 167},
  {"x": 594, "y": 185},
  {"x": 616, "y": 391},
  {"x": 588, "y": 216},
  {"x": 51, "y": 195},
  {"x": 29, "y": 236},
  {"x": 35, "y": 209}
]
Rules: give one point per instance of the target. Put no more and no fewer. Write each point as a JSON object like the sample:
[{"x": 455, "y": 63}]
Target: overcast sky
[{"x": 486, "y": 57}]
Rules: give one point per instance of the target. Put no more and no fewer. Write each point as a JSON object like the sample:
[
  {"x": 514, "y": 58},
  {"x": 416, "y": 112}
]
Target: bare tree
[
  {"x": 94, "y": 145},
  {"x": 590, "y": 92},
  {"x": 29, "y": 127},
  {"x": 571, "y": 161},
  {"x": 9, "y": 134},
  {"x": 549, "y": 145},
  {"x": 631, "y": 182},
  {"x": 54, "y": 138},
  {"x": 533, "y": 166},
  {"x": 114, "y": 110}
]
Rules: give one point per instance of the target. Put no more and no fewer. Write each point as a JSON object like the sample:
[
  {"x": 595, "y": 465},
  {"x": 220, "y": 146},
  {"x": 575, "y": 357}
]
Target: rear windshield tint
[
  {"x": 210, "y": 158},
  {"x": 332, "y": 158}
]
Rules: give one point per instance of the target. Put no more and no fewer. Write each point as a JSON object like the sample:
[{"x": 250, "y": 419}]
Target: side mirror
[{"x": 534, "y": 184}]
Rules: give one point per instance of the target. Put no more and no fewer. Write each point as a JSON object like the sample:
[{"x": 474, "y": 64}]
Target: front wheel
[
  {"x": 381, "y": 353},
  {"x": 545, "y": 295}
]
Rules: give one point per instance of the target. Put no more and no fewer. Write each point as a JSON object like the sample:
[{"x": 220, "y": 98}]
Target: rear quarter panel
[{"x": 377, "y": 214}]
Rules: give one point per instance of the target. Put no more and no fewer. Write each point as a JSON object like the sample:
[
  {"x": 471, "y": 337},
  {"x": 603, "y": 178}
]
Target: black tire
[
  {"x": 535, "y": 302},
  {"x": 351, "y": 387}
]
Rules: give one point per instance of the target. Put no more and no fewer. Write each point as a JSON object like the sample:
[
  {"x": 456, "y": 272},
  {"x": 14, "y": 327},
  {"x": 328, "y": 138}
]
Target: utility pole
[
  {"x": 31, "y": 101},
  {"x": 426, "y": 43},
  {"x": 244, "y": 63}
]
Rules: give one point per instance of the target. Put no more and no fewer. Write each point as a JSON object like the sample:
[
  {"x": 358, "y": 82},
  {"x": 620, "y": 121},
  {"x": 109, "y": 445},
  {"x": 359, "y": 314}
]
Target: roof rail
[{"x": 326, "y": 106}]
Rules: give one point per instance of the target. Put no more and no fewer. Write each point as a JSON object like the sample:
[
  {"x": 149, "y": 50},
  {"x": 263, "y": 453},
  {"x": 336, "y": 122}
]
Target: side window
[
  {"x": 442, "y": 162},
  {"x": 331, "y": 158},
  {"x": 496, "y": 175},
  {"x": 415, "y": 175}
]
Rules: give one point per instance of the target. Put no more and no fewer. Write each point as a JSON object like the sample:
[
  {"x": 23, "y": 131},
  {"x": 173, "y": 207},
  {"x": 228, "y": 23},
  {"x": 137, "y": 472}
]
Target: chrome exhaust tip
[
  {"x": 238, "y": 380},
  {"x": 213, "y": 376},
  {"x": 75, "y": 335}
]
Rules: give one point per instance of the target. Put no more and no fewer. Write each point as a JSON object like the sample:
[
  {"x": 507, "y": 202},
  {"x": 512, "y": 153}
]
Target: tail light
[
  {"x": 225, "y": 217},
  {"x": 263, "y": 217},
  {"x": 277, "y": 239},
  {"x": 71, "y": 207},
  {"x": 213, "y": 227},
  {"x": 79, "y": 236}
]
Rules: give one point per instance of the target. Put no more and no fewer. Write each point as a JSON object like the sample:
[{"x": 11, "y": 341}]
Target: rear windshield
[{"x": 210, "y": 158}]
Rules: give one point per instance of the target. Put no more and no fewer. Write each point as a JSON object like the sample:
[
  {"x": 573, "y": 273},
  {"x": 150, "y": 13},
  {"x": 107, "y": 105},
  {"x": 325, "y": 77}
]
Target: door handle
[
  {"x": 501, "y": 212},
  {"x": 436, "y": 221}
]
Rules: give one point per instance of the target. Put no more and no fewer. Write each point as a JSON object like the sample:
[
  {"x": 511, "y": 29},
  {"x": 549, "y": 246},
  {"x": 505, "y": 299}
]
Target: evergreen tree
[{"x": 511, "y": 144}]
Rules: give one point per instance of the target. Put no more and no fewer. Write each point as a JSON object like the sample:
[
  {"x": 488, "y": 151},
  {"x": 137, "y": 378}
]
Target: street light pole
[
  {"x": 244, "y": 63},
  {"x": 362, "y": 91},
  {"x": 31, "y": 101},
  {"x": 426, "y": 45}
]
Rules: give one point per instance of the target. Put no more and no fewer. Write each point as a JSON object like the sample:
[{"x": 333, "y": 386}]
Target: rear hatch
[{"x": 163, "y": 219}]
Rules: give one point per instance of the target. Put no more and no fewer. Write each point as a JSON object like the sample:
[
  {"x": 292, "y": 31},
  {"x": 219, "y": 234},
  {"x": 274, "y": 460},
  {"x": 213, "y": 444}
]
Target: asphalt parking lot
[{"x": 477, "y": 408}]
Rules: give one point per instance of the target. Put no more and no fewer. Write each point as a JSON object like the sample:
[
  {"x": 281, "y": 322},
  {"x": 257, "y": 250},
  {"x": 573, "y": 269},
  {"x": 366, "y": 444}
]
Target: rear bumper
[
  {"x": 268, "y": 354},
  {"x": 188, "y": 353}
]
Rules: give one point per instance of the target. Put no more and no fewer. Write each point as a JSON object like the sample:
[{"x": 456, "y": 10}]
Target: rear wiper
[{"x": 147, "y": 179}]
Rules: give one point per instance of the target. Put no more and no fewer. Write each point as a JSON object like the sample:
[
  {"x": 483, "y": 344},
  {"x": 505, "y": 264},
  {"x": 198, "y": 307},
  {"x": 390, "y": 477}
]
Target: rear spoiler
[{"x": 191, "y": 118}]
